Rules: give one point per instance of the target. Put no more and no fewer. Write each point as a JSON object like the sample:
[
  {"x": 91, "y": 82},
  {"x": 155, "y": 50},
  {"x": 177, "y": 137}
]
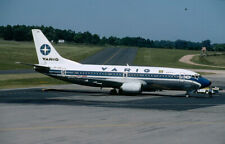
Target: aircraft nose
[
  {"x": 210, "y": 83},
  {"x": 205, "y": 82}
]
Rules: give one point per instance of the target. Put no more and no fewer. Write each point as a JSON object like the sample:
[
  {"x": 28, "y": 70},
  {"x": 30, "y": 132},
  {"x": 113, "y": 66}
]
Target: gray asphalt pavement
[
  {"x": 74, "y": 114},
  {"x": 113, "y": 56},
  {"x": 78, "y": 114}
]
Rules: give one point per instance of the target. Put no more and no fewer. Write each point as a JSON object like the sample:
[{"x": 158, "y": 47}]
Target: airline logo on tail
[{"x": 45, "y": 49}]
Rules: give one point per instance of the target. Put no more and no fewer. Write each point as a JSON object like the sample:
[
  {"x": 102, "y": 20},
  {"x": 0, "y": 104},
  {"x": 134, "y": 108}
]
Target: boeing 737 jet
[{"x": 125, "y": 79}]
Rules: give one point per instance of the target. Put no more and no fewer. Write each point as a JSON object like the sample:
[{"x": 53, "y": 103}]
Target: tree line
[{"x": 23, "y": 33}]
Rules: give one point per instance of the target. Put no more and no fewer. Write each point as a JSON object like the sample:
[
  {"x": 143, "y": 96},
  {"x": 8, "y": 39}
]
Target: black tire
[
  {"x": 210, "y": 94},
  {"x": 120, "y": 91},
  {"x": 113, "y": 92}
]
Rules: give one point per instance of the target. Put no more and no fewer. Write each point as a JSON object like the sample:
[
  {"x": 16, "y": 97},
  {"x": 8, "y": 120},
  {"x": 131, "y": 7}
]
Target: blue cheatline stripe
[
  {"x": 120, "y": 74},
  {"x": 117, "y": 74}
]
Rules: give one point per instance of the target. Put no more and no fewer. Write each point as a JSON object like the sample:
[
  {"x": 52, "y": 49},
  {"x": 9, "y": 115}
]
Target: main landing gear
[{"x": 115, "y": 91}]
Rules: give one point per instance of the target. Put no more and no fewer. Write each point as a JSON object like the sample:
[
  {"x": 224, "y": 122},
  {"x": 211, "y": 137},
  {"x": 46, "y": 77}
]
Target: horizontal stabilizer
[{"x": 25, "y": 63}]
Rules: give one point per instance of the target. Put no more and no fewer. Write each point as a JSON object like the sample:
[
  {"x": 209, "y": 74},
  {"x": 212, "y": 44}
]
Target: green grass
[
  {"x": 218, "y": 60},
  {"x": 165, "y": 58},
  {"x": 12, "y": 51},
  {"x": 20, "y": 76},
  {"x": 206, "y": 73},
  {"x": 26, "y": 80},
  {"x": 29, "y": 82}
]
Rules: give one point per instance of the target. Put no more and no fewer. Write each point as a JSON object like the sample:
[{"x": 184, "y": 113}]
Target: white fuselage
[
  {"x": 150, "y": 78},
  {"x": 126, "y": 78}
]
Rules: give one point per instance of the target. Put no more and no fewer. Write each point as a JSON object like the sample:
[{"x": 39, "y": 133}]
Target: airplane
[{"x": 122, "y": 79}]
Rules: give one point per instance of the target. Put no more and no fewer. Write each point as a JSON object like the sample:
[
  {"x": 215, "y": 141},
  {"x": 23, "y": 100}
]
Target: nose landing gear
[{"x": 189, "y": 92}]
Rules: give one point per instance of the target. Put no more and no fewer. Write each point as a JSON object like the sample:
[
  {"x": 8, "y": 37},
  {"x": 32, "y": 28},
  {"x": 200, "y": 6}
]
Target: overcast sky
[{"x": 153, "y": 19}]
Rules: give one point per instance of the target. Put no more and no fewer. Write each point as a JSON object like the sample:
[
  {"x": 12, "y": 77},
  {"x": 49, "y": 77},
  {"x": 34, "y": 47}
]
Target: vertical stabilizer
[{"x": 46, "y": 53}]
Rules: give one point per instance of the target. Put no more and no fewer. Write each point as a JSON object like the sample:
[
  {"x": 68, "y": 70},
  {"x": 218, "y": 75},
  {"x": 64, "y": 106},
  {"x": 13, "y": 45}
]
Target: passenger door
[
  {"x": 181, "y": 78},
  {"x": 63, "y": 71},
  {"x": 125, "y": 74}
]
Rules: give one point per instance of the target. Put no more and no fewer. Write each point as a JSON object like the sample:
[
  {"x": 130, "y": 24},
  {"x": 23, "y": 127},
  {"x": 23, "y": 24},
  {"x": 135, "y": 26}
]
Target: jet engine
[{"x": 131, "y": 87}]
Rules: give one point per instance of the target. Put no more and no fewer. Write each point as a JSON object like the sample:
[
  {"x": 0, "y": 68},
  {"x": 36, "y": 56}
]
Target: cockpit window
[{"x": 196, "y": 76}]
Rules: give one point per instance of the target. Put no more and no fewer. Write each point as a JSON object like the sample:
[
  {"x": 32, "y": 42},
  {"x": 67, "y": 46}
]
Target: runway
[
  {"x": 77, "y": 114},
  {"x": 113, "y": 56},
  {"x": 83, "y": 115}
]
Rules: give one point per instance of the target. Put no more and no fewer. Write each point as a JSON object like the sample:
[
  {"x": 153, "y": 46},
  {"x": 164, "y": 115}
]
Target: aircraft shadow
[{"x": 85, "y": 98}]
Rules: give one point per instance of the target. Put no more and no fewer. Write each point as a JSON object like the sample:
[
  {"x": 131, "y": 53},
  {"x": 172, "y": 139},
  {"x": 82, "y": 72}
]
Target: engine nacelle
[{"x": 131, "y": 87}]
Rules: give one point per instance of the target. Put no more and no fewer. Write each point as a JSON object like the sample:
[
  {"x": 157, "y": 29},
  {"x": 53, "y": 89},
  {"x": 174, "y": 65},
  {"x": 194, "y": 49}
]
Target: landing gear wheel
[
  {"x": 187, "y": 95},
  {"x": 113, "y": 92},
  {"x": 210, "y": 94},
  {"x": 189, "y": 92},
  {"x": 120, "y": 92}
]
